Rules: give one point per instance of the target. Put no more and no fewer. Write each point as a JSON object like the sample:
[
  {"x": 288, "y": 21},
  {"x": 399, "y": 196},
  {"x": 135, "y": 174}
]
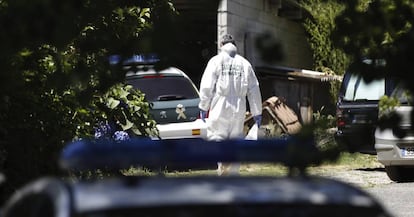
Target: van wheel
[{"x": 399, "y": 173}]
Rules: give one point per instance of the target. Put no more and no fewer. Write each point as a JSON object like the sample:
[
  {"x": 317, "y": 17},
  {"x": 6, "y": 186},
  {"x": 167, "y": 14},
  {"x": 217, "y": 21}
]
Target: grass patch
[
  {"x": 356, "y": 161},
  {"x": 346, "y": 161}
]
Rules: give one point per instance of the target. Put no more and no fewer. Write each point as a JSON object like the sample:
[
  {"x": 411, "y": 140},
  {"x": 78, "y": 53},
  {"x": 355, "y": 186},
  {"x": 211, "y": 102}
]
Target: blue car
[{"x": 297, "y": 195}]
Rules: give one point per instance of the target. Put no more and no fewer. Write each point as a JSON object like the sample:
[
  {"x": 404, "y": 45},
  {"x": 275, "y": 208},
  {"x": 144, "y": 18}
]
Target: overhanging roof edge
[{"x": 297, "y": 73}]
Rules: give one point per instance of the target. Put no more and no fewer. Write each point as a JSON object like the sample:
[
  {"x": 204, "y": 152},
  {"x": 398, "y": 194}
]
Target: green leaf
[
  {"x": 136, "y": 131},
  {"x": 128, "y": 125},
  {"x": 112, "y": 103},
  {"x": 137, "y": 108},
  {"x": 123, "y": 94}
]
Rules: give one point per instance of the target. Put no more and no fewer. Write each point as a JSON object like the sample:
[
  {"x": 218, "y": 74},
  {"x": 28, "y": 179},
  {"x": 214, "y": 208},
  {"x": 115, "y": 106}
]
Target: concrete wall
[{"x": 248, "y": 19}]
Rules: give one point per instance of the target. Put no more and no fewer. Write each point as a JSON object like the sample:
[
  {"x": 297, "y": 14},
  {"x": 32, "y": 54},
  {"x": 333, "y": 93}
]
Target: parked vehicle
[
  {"x": 357, "y": 111},
  {"x": 198, "y": 196},
  {"x": 395, "y": 145},
  {"x": 173, "y": 95}
]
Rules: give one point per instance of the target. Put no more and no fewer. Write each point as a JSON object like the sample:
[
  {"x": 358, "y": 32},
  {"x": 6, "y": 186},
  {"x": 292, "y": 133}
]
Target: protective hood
[{"x": 230, "y": 49}]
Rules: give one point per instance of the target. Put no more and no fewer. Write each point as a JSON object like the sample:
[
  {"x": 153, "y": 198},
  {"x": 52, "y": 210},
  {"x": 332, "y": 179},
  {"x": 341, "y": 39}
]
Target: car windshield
[
  {"x": 358, "y": 89},
  {"x": 165, "y": 88}
]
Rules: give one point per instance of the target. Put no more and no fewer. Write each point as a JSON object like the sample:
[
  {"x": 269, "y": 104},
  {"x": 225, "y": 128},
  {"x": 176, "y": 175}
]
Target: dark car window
[
  {"x": 355, "y": 88},
  {"x": 358, "y": 89},
  {"x": 163, "y": 88}
]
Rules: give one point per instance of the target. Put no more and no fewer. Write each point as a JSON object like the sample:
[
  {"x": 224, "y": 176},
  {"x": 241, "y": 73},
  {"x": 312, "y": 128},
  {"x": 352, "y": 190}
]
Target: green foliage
[
  {"x": 327, "y": 57},
  {"x": 319, "y": 26},
  {"x": 386, "y": 105},
  {"x": 378, "y": 29},
  {"x": 128, "y": 109},
  {"x": 55, "y": 76}
]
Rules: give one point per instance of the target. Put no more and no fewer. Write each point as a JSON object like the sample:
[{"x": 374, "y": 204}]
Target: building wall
[{"x": 249, "y": 19}]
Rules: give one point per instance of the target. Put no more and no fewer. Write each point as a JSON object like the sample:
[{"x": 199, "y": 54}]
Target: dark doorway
[{"x": 197, "y": 35}]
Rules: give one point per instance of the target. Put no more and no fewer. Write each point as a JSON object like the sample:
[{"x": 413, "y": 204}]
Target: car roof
[
  {"x": 141, "y": 192},
  {"x": 149, "y": 70},
  {"x": 78, "y": 197},
  {"x": 145, "y": 65},
  {"x": 161, "y": 191}
]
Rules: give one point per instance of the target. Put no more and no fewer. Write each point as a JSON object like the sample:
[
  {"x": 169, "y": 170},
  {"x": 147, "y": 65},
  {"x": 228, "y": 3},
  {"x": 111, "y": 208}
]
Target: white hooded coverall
[{"x": 227, "y": 80}]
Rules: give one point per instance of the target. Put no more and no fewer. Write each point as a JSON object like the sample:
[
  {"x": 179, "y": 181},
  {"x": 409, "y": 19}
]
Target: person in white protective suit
[{"x": 227, "y": 80}]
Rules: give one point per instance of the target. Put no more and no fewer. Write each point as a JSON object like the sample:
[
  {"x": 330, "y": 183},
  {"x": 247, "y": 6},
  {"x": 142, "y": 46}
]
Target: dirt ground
[{"x": 361, "y": 177}]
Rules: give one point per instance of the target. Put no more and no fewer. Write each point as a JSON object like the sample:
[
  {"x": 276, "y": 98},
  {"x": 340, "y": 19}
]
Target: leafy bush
[
  {"x": 121, "y": 109},
  {"x": 119, "y": 114},
  {"x": 320, "y": 25},
  {"x": 386, "y": 104},
  {"x": 54, "y": 72}
]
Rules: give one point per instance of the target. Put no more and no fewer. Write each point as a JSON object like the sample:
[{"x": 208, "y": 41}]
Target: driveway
[
  {"x": 361, "y": 177},
  {"x": 397, "y": 198}
]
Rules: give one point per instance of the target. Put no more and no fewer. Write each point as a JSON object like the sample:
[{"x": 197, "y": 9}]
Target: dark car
[
  {"x": 297, "y": 195},
  {"x": 357, "y": 111}
]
